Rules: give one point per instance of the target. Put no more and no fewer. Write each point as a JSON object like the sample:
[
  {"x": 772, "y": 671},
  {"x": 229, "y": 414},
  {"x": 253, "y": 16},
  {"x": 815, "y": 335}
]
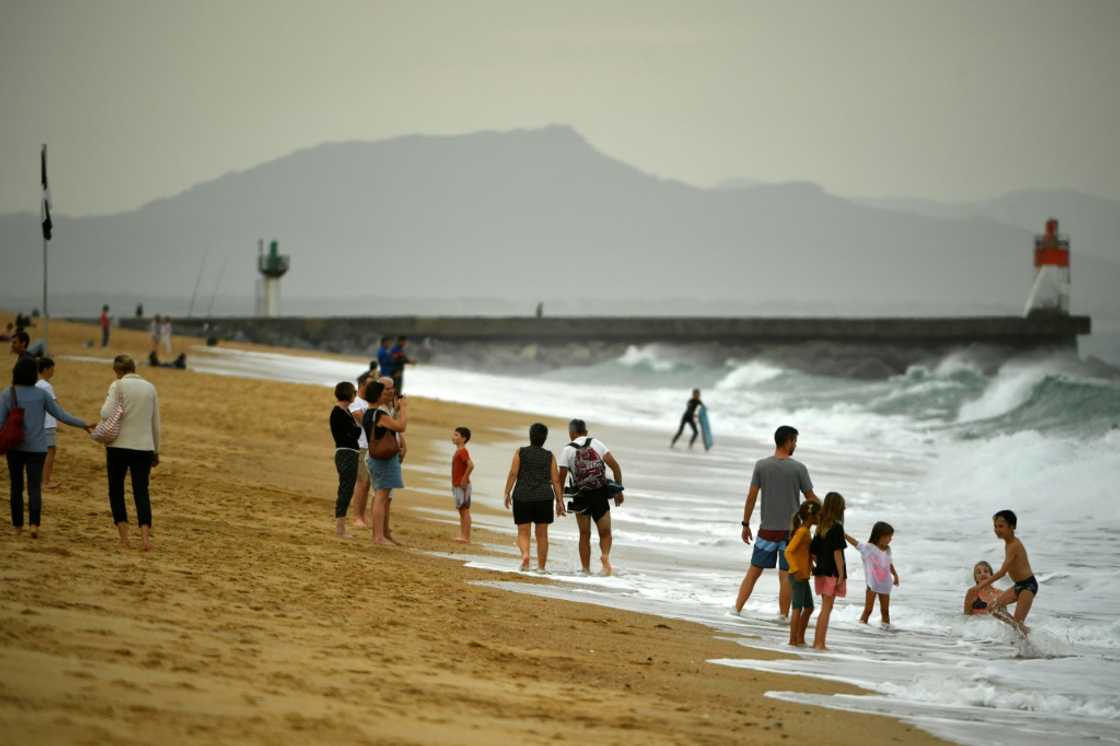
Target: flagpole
[{"x": 46, "y": 312}]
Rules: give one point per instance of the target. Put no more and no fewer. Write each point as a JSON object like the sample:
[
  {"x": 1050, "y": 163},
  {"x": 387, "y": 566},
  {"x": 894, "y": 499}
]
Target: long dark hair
[
  {"x": 879, "y": 530},
  {"x": 373, "y": 392},
  {"x": 25, "y": 372},
  {"x": 807, "y": 510}
]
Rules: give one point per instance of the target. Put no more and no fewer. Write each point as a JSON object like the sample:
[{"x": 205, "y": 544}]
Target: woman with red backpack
[{"x": 23, "y": 438}]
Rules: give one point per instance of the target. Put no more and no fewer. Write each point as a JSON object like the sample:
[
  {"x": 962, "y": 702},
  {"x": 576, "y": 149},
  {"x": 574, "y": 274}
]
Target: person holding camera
[{"x": 384, "y": 425}]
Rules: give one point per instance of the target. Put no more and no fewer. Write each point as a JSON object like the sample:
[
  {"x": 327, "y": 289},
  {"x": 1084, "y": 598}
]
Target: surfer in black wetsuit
[{"x": 689, "y": 418}]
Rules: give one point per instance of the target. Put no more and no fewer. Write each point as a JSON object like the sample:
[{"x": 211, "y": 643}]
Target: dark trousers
[
  {"x": 18, "y": 461},
  {"x": 346, "y": 462},
  {"x": 120, "y": 461},
  {"x": 104, "y": 336},
  {"x": 686, "y": 420}
]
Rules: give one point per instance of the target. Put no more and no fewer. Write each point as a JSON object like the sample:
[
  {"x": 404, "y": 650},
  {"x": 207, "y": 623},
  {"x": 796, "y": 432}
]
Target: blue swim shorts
[{"x": 769, "y": 554}]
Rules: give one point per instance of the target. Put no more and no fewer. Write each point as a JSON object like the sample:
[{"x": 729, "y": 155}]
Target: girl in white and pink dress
[{"x": 878, "y": 570}]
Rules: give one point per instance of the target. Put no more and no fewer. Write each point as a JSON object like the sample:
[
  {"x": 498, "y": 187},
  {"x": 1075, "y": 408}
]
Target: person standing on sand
[
  {"x": 345, "y": 432},
  {"x": 105, "y": 323},
  {"x": 136, "y": 448},
  {"x": 165, "y": 337},
  {"x": 382, "y": 429},
  {"x": 586, "y": 461},
  {"x": 50, "y": 424},
  {"x": 29, "y": 454},
  {"x": 689, "y": 418},
  {"x": 461, "y": 468},
  {"x": 358, "y": 408},
  {"x": 154, "y": 330},
  {"x": 781, "y": 480},
  {"x": 532, "y": 485},
  {"x": 20, "y": 342}
]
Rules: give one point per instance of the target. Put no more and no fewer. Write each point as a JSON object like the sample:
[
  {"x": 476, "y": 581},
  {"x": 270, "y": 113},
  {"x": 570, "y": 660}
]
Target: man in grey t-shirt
[{"x": 782, "y": 480}]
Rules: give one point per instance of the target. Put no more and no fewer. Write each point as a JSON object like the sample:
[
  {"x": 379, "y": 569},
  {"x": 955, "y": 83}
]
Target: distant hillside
[{"x": 540, "y": 214}]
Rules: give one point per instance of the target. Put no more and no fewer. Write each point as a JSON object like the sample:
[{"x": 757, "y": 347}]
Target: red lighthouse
[{"x": 1050, "y": 292}]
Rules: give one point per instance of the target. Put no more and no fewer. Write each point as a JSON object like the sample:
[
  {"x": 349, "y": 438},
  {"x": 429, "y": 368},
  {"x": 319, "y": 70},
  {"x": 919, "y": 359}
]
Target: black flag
[{"x": 47, "y": 224}]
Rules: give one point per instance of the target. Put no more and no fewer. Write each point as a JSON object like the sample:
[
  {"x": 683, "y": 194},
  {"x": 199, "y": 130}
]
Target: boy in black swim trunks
[{"x": 1018, "y": 566}]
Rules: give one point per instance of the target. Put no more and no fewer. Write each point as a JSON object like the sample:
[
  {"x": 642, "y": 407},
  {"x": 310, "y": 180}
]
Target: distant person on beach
[
  {"x": 28, "y": 455},
  {"x": 345, "y": 432},
  {"x": 384, "y": 460},
  {"x": 154, "y": 331},
  {"x": 105, "y": 322},
  {"x": 830, "y": 571},
  {"x": 165, "y": 336},
  {"x": 878, "y": 570},
  {"x": 689, "y": 418},
  {"x": 399, "y": 358},
  {"x": 800, "y": 562},
  {"x": 50, "y": 424},
  {"x": 135, "y": 451},
  {"x": 384, "y": 363},
  {"x": 358, "y": 408},
  {"x": 782, "y": 480},
  {"x": 586, "y": 459},
  {"x": 20, "y": 342},
  {"x": 1017, "y": 565},
  {"x": 9, "y": 330},
  {"x": 533, "y": 485},
  {"x": 461, "y": 468}
]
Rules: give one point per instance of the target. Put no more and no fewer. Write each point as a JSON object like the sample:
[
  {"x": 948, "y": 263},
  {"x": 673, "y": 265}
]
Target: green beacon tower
[{"x": 272, "y": 267}]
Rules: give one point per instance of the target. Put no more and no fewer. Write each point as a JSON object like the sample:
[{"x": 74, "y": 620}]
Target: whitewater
[{"x": 934, "y": 451}]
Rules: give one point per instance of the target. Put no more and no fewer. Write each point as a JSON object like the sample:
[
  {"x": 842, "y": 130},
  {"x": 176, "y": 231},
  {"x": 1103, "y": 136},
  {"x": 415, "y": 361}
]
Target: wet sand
[{"x": 251, "y": 623}]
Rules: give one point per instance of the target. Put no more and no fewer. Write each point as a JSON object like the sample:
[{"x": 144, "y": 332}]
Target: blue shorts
[
  {"x": 385, "y": 473},
  {"x": 768, "y": 554}
]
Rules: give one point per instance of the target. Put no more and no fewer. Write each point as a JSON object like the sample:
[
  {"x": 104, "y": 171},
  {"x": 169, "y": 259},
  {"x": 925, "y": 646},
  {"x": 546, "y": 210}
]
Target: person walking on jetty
[
  {"x": 135, "y": 450},
  {"x": 358, "y": 409},
  {"x": 46, "y": 373},
  {"x": 532, "y": 486},
  {"x": 27, "y": 455},
  {"x": 384, "y": 460},
  {"x": 782, "y": 480},
  {"x": 345, "y": 432},
  {"x": 461, "y": 468},
  {"x": 105, "y": 322},
  {"x": 587, "y": 459},
  {"x": 689, "y": 418}
]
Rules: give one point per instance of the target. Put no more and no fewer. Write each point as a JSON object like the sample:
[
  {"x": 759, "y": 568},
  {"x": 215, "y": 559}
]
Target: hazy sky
[{"x": 949, "y": 100}]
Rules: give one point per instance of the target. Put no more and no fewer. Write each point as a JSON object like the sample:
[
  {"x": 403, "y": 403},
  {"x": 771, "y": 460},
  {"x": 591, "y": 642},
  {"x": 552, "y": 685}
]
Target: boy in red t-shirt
[{"x": 461, "y": 468}]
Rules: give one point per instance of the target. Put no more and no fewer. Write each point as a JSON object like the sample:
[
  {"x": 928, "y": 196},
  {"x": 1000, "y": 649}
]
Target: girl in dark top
[
  {"x": 831, "y": 572},
  {"x": 689, "y": 418},
  {"x": 345, "y": 432},
  {"x": 537, "y": 480}
]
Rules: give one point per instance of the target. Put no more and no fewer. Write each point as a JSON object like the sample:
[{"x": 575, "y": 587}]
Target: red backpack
[{"x": 11, "y": 432}]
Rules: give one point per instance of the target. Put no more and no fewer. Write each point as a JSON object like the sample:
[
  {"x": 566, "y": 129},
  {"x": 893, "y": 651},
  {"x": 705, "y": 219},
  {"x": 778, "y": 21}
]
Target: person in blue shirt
[
  {"x": 398, "y": 358},
  {"x": 29, "y": 454},
  {"x": 384, "y": 359}
]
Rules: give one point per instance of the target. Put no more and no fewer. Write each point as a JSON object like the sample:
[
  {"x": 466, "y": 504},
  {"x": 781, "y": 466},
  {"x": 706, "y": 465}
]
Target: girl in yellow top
[{"x": 798, "y": 558}]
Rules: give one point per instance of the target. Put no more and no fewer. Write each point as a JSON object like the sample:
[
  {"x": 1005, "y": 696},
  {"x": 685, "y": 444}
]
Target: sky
[{"x": 941, "y": 99}]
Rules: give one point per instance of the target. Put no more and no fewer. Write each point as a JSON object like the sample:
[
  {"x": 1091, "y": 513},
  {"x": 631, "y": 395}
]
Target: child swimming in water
[
  {"x": 980, "y": 601},
  {"x": 1018, "y": 566},
  {"x": 878, "y": 570}
]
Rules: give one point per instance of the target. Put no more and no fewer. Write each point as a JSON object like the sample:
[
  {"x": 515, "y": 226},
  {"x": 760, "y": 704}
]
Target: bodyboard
[{"x": 705, "y": 428}]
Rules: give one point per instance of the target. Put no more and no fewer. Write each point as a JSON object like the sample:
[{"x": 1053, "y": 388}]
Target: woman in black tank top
[{"x": 531, "y": 487}]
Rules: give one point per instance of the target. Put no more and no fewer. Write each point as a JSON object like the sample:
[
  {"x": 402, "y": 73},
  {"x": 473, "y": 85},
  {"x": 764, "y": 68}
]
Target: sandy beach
[{"x": 251, "y": 623}]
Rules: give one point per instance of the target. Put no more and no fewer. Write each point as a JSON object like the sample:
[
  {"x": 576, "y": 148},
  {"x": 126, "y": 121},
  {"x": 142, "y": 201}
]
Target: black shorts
[
  {"x": 537, "y": 511},
  {"x": 595, "y": 503},
  {"x": 1030, "y": 584}
]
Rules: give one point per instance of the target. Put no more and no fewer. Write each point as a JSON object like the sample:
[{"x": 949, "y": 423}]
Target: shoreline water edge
[{"x": 677, "y": 543}]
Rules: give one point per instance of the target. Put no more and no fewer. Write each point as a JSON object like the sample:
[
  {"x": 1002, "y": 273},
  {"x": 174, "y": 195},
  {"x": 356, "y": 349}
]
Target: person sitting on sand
[
  {"x": 1018, "y": 566},
  {"x": 345, "y": 432},
  {"x": 587, "y": 459},
  {"x": 384, "y": 460},
  {"x": 531, "y": 487}
]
